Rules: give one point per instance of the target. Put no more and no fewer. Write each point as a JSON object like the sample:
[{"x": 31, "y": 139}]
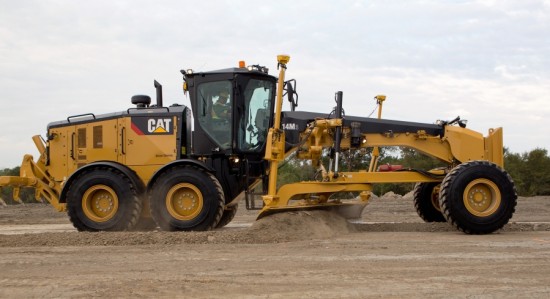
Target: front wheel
[
  {"x": 426, "y": 202},
  {"x": 478, "y": 197},
  {"x": 186, "y": 198}
]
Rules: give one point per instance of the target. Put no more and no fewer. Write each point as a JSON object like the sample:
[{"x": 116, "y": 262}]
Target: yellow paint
[
  {"x": 276, "y": 138},
  {"x": 100, "y": 203},
  {"x": 482, "y": 197},
  {"x": 184, "y": 201}
]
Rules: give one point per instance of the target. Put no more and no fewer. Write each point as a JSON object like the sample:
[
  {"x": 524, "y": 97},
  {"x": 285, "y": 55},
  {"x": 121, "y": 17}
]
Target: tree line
[{"x": 530, "y": 170}]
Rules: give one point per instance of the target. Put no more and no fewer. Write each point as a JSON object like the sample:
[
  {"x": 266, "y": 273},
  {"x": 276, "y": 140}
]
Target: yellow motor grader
[{"x": 147, "y": 167}]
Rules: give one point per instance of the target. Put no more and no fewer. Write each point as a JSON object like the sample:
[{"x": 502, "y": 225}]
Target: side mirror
[{"x": 290, "y": 88}]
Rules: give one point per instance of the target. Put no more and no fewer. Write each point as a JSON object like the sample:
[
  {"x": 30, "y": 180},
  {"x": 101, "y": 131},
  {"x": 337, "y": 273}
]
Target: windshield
[
  {"x": 214, "y": 111},
  {"x": 258, "y": 105}
]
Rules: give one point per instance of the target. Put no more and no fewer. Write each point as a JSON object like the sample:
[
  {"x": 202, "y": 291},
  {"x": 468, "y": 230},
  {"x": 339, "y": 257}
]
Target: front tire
[
  {"x": 478, "y": 197},
  {"x": 103, "y": 199},
  {"x": 426, "y": 202},
  {"x": 186, "y": 198}
]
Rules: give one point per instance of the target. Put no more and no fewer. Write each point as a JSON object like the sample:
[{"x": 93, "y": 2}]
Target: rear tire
[
  {"x": 186, "y": 198},
  {"x": 227, "y": 216},
  {"x": 426, "y": 202},
  {"x": 103, "y": 199},
  {"x": 478, "y": 197}
]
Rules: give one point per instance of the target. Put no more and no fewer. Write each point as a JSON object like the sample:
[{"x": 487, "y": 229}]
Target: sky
[{"x": 486, "y": 61}]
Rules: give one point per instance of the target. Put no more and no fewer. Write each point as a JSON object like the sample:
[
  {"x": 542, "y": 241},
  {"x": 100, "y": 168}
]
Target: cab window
[
  {"x": 214, "y": 111},
  {"x": 253, "y": 127}
]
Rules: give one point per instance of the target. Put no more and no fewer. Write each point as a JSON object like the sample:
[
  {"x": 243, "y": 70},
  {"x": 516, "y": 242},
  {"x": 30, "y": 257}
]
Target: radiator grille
[
  {"x": 82, "y": 137},
  {"x": 98, "y": 137}
]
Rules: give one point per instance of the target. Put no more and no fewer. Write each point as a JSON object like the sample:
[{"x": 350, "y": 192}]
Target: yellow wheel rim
[
  {"x": 100, "y": 203},
  {"x": 435, "y": 198},
  {"x": 482, "y": 197},
  {"x": 184, "y": 201}
]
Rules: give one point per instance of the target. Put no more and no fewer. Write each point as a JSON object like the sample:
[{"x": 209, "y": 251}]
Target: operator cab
[{"x": 232, "y": 109}]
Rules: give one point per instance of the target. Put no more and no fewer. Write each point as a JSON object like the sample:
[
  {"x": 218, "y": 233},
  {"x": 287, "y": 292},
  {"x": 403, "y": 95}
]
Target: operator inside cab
[{"x": 222, "y": 107}]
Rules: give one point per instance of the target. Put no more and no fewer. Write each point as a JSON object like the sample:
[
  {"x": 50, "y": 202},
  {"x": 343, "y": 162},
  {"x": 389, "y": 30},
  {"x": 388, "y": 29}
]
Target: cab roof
[{"x": 233, "y": 70}]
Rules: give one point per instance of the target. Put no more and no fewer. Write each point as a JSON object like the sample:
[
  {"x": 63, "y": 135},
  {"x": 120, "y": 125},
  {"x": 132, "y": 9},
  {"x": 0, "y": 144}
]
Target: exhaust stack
[{"x": 158, "y": 87}]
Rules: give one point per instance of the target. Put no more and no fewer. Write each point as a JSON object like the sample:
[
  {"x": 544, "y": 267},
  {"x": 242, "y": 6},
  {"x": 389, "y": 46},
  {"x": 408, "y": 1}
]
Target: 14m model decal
[{"x": 152, "y": 126}]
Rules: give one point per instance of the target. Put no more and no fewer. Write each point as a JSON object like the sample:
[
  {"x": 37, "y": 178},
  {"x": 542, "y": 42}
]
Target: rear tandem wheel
[
  {"x": 103, "y": 199},
  {"x": 186, "y": 198},
  {"x": 478, "y": 197},
  {"x": 227, "y": 216}
]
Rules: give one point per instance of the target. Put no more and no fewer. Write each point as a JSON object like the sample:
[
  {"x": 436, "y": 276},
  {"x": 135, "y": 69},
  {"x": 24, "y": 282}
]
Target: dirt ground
[{"x": 391, "y": 253}]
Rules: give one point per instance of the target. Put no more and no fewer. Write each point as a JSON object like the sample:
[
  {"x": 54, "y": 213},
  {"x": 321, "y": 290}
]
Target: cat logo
[
  {"x": 158, "y": 125},
  {"x": 152, "y": 126}
]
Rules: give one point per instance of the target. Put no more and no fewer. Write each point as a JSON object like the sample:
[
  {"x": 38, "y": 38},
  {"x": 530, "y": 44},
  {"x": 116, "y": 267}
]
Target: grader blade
[
  {"x": 347, "y": 210},
  {"x": 350, "y": 211}
]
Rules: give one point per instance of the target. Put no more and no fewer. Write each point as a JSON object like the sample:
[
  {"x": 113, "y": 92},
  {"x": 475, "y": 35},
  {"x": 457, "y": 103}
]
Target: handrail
[{"x": 80, "y": 115}]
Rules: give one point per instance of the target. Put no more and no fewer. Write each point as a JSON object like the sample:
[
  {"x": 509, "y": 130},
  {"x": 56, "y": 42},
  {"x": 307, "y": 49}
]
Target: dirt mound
[
  {"x": 300, "y": 225},
  {"x": 409, "y": 195},
  {"x": 390, "y": 196}
]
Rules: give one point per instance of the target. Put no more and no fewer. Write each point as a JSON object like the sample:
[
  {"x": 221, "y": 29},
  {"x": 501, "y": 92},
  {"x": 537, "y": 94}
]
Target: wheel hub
[
  {"x": 482, "y": 197},
  {"x": 104, "y": 203},
  {"x": 184, "y": 201},
  {"x": 435, "y": 198},
  {"x": 100, "y": 203}
]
